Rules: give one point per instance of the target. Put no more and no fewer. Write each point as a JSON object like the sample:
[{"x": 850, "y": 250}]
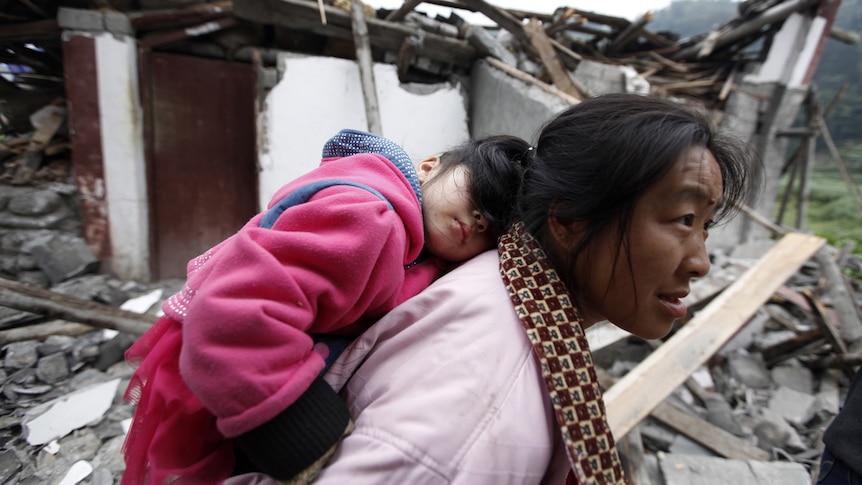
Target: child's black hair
[{"x": 495, "y": 170}]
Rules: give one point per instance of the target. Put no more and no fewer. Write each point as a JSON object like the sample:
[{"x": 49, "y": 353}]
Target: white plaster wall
[
  {"x": 122, "y": 148},
  {"x": 318, "y": 96},
  {"x": 790, "y": 55}
]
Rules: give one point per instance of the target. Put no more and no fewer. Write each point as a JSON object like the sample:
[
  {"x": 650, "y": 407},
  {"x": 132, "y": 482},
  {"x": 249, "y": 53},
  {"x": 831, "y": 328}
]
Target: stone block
[
  {"x": 681, "y": 469},
  {"x": 62, "y": 256}
]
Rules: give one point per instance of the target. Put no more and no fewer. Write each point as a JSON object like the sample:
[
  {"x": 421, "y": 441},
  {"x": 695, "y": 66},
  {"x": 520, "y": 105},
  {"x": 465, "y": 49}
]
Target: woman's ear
[
  {"x": 565, "y": 233},
  {"x": 424, "y": 168}
]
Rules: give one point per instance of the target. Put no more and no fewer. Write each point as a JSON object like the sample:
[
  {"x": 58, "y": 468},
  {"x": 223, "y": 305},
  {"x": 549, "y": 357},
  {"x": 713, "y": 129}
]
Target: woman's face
[
  {"x": 667, "y": 240},
  {"x": 454, "y": 229}
]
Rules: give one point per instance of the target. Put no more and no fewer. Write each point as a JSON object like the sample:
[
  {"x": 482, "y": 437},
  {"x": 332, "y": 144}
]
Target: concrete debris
[
  {"x": 79, "y": 471},
  {"x": 682, "y": 469},
  {"x": 795, "y": 407},
  {"x": 58, "y": 418},
  {"x": 748, "y": 369},
  {"x": 144, "y": 303}
]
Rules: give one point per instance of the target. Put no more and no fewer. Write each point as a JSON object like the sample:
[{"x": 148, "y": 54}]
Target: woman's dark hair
[
  {"x": 595, "y": 160},
  {"x": 495, "y": 175}
]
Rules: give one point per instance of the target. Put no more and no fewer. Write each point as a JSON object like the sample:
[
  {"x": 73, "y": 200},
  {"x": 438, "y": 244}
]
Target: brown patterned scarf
[{"x": 553, "y": 326}]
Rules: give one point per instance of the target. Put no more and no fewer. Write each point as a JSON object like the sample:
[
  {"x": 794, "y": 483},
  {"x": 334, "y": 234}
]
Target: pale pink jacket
[{"x": 445, "y": 390}]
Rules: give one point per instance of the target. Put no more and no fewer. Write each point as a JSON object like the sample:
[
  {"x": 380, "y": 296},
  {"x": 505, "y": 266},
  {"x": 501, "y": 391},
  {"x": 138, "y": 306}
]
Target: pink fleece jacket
[{"x": 333, "y": 264}]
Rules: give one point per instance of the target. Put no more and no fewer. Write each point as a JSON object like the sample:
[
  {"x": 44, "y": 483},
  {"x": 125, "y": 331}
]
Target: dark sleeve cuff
[{"x": 300, "y": 435}]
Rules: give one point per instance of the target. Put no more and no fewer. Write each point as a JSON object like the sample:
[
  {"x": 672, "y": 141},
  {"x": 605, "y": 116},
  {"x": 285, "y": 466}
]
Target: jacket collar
[{"x": 352, "y": 142}]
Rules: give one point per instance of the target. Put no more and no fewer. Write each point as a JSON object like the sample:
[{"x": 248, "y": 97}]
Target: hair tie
[{"x": 524, "y": 158}]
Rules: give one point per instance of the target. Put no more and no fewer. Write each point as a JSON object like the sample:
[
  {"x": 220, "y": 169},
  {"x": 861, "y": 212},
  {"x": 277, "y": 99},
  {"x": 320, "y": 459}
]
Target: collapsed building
[{"x": 138, "y": 135}]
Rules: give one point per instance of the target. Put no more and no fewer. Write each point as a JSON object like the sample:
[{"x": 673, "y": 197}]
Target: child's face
[
  {"x": 454, "y": 230},
  {"x": 667, "y": 240}
]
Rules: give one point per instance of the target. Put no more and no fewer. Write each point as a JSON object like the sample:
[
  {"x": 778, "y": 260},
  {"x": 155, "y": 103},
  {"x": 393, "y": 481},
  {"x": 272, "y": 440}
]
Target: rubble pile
[{"x": 62, "y": 418}]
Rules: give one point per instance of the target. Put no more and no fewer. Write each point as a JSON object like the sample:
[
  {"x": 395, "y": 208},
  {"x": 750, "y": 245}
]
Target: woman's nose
[
  {"x": 479, "y": 221},
  {"x": 697, "y": 263}
]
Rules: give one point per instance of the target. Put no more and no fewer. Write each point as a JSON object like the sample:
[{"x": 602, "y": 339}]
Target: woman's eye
[
  {"x": 708, "y": 225},
  {"x": 687, "y": 220}
]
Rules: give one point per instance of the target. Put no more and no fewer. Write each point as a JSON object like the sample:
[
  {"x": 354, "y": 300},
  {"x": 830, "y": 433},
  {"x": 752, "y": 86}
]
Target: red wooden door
[{"x": 200, "y": 132}]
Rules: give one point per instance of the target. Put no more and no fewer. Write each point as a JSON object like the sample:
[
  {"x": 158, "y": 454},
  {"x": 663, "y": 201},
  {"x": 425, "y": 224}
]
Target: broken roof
[{"x": 544, "y": 46}]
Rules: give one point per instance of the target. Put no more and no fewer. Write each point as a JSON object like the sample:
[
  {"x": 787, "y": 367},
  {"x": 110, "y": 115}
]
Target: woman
[{"x": 616, "y": 203}]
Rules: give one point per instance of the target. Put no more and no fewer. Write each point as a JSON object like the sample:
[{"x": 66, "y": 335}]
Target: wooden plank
[
  {"x": 617, "y": 22},
  {"x": 664, "y": 61},
  {"x": 785, "y": 349},
  {"x": 40, "y": 29},
  {"x": 565, "y": 50},
  {"x": 170, "y": 36},
  {"x": 707, "y": 434},
  {"x": 844, "y": 361},
  {"x": 560, "y": 22},
  {"x": 366, "y": 67},
  {"x": 683, "y": 85},
  {"x": 728, "y": 84},
  {"x": 30, "y": 298},
  {"x": 628, "y": 34},
  {"x": 806, "y": 172},
  {"x": 548, "y": 57},
  {"x": 841, "y": 35},
  {"x": 406, "y": 7},
  {"x": 322, "y": 10},
  {"x": 41, "y": 331},
  {"x": 663, "y": 43},
  {"x": 503, "y": 18},
  {"x": 832, "y": 335},
  {"x": 162, "y": 19},
  {"x": 644, "y": 387},
  {"x": 822, "y": 321},
  {"x": 523, "y": 76}
]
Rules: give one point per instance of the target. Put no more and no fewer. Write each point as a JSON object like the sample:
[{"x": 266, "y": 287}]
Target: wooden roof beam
[
  {"x": 719, "y": 39},
  {"x": 305, "y": 16}
]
